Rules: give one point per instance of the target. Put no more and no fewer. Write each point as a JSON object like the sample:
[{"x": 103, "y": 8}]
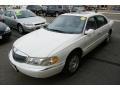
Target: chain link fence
[{"x": 49, "y": 19}]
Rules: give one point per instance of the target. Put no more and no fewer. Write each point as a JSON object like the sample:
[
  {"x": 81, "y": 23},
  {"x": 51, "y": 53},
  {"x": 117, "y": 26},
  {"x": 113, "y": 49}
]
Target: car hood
[
  {"x": 31, "y": 20},
  {"x": 41, "y": 43}
]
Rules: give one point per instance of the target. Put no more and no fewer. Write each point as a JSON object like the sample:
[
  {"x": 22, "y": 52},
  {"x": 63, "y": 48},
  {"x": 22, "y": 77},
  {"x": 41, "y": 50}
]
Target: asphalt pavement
[{"x": 99, "y": 67}]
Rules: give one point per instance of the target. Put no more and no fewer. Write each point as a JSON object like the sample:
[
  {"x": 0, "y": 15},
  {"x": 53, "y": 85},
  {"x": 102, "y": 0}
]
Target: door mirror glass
[{"x": 89, "y": 31}]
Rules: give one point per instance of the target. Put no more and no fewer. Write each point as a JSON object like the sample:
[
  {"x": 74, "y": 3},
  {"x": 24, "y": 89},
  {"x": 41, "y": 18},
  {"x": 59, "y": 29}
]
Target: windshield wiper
[
  {"x": 31, "y": 16},
  {"x": 55, "y": 30}
]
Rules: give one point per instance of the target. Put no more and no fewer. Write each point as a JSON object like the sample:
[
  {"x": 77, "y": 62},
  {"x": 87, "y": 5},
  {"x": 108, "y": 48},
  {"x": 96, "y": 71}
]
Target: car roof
[{"x": 85, "y": 14}]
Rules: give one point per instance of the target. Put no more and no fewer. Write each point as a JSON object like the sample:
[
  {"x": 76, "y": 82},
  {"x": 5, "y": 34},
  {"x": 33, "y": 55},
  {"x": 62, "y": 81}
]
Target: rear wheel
[
  {"x": 56, "y": 14},
  {"x": 108, "y": 39},
  {"x": 44, "y": 14},
  {"x": 72, "y": 63}
]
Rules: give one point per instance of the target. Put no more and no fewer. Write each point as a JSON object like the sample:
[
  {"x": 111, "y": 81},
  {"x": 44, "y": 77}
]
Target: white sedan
[{"x": 60, "y": 46}]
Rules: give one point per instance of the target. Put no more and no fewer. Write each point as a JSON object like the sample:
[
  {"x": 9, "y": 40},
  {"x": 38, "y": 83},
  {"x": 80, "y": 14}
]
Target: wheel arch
[
  {"x": 78, "y": 49},
  {"x": 65, "y": 69},
  {"x": 18, "y": 24}
]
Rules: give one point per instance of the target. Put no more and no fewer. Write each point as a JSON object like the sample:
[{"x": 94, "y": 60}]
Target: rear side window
[
  {"x": 34, "y": 7},
  {"x": 29, "y": 7},
  {"x": 60, "y": 7},
  {"x": 101, "y": 20},
  {"x": 52, "y": 7}
]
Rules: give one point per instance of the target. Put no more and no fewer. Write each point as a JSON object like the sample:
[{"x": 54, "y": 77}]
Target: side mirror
[{"x": 89, "y": 31}]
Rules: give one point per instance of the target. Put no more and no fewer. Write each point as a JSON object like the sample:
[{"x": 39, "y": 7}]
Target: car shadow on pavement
[{"x": 5, "y": 41}]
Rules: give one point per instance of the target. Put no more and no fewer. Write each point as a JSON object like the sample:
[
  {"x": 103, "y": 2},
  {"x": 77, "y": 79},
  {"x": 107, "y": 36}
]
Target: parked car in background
[
  {"x": 89, "y": 8},
  {"x": 55, "y": 10},
  {"x": 116, "y": 8},
  {"x": 23, "y": 20},
  {"x": 78, "y": 9},
  {"x": 61, "y": 45},
  {"x": 5, "y": 31},
  {"x": 37, "y": 9}
]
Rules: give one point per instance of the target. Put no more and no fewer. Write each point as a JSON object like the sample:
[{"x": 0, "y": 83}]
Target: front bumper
[
  {"x": 29, "y": 29},
  {"x": 35, "y": 71}
]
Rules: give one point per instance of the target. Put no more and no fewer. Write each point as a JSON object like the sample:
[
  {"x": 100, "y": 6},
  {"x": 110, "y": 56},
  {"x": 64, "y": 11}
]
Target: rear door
[{"x": 102, "y": 27}]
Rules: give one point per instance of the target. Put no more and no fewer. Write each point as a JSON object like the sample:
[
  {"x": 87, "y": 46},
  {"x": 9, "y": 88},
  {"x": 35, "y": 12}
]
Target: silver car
[{"x": 23, "y": 20}]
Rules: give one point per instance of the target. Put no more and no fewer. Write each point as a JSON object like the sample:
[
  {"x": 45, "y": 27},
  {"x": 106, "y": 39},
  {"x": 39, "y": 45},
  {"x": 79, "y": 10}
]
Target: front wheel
[
  {"x": 20, "y": 29},
  {"x": 72, "y": 63}
]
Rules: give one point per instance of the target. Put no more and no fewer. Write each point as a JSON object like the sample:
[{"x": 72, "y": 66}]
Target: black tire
[
  {"x": 56, "y": 14},
  {"x": 44, "y": 14},
  {"x": 108, "y": 39},
  {"x": 72, "y": 63},
  {"x": 20, "y": 29}
]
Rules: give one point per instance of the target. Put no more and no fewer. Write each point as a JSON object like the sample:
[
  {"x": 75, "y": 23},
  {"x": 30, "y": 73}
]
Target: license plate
[{"x": 0, "y": 37}]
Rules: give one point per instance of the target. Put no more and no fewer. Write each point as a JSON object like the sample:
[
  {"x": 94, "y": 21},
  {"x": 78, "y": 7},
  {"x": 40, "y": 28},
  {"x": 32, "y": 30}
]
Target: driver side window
[{"x": 91, "y": 24}]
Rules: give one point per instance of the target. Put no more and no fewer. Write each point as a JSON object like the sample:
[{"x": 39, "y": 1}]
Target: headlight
[
  {"x": 7, "y": 29},
  {"x": 42, "y": 61}
]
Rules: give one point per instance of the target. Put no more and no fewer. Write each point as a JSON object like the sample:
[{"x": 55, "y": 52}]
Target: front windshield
[
  {"x": 67, "y": 24},
  {"x": 24, "y": 14}
]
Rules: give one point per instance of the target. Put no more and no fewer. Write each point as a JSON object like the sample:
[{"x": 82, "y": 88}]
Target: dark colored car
[
  {"x": 55, "y": 10},
  {"x": 37, "y": 9},
  {"x": 5, "y": 31},
  {"x": 117, "y": 8}
]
